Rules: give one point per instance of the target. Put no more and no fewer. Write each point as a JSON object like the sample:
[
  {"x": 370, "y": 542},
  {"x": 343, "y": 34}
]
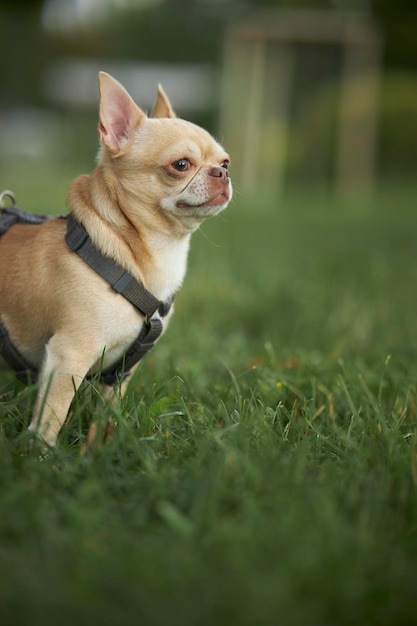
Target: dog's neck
[{"x": 155, "y": 256}]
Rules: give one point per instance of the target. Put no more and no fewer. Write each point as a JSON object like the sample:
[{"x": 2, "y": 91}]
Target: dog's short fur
[{"x": 156, "y": 180}]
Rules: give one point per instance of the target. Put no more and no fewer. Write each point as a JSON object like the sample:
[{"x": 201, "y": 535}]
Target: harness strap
[
  {"x": 24, "y": 371},
  {"x": 142, "y": 344},
  {"x": 8, "y": 216},
  {"x": 122, "y": 281},
  {"x": 13, "y": 215}
]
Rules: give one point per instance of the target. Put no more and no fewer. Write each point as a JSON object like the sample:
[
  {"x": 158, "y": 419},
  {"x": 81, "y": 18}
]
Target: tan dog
[{"x": 156, "y": 180}]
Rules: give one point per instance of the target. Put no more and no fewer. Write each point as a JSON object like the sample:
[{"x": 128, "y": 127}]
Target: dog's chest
[
  {"x": 119, "y": 332},
  {"x": 163, "y": 278},
  {"x": 166, "y": 272}
]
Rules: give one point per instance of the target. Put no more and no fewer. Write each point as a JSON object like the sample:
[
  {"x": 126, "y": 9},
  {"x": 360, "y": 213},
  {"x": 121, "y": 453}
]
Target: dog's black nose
[{"x": 220, "y": 172}]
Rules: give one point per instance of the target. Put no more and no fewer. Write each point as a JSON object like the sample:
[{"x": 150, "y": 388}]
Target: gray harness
[{"x": 79, "y": 242}]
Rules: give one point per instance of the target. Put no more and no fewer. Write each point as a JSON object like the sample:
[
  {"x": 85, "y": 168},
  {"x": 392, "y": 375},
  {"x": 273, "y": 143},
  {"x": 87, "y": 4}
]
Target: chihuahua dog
[{"x": 157, "y": 178}]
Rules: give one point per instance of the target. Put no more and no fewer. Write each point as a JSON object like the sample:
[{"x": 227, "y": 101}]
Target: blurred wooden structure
[{"x": 261, "y": 69}]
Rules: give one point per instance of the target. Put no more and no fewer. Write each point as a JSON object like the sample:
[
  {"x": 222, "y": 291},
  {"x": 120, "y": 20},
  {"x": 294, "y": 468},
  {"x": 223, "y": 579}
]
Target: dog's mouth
[{"x": 217, "y": 200}]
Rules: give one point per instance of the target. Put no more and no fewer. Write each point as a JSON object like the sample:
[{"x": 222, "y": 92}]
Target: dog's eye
[
  {"x": 225, "y": 164},
  {"x": 182, "y": 165}
]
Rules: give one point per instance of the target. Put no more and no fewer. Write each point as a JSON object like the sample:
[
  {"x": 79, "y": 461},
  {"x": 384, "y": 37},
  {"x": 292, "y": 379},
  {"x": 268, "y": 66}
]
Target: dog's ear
[
  {"x": 162, "y": 106},
  {"x": 119, "y": 115}
]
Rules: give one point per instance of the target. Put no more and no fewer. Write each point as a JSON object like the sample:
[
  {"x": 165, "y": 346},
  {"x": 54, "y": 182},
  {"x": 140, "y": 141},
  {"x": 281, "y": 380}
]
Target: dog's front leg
[{"x": 63, "y": 371}]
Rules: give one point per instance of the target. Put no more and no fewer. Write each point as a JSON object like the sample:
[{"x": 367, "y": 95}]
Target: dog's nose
[{"x": 220, "y": 172}]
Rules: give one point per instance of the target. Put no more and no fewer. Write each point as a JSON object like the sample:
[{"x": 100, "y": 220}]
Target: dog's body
[{"x": 156, "y": 180}]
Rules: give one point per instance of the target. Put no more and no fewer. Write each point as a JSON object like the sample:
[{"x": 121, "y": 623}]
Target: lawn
[{"x": 264, "y": 465}]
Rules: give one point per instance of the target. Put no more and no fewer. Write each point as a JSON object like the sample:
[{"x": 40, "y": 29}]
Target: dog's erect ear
[
  {"x": 119, "y": 115},
  {"x": 162, "y": 106}
]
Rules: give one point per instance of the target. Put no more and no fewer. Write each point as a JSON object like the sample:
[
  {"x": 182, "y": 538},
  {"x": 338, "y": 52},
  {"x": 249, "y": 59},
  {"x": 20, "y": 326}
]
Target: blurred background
[
  {"x": 304, "y": 93},
  {"x": 316, "y": 102}
]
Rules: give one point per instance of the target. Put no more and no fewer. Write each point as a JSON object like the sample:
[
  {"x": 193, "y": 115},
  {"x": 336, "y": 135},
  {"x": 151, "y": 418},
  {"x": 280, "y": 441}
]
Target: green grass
[{"x": 264, "y": 466}]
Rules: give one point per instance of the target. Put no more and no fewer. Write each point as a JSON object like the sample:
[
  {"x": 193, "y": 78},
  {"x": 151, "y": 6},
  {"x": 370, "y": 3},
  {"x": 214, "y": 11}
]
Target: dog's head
[{"x": 163, "y": 163}]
